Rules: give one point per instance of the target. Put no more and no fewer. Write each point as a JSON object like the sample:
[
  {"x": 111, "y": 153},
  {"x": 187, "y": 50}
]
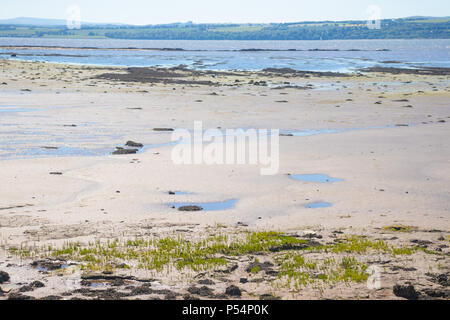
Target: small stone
[
  {"x": 190, "y": 208},
  {"x": 134, "y": 144},
  {"x": 121, "y": 151},
  {"x": 233, "y": 291},
  {"x": 19, "y": 296},
  {"x": 203, "y": 291},
  {"x": 407, "y": 292},
  {"x": 4, "y": 277},
  {"x": 37, "y": 284},
  {"x": 25, "y": 289},
  {"x": 163, "y": 129}
]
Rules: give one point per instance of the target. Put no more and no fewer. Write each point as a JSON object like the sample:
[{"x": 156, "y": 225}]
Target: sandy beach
[{"x": 62, "y": 187}]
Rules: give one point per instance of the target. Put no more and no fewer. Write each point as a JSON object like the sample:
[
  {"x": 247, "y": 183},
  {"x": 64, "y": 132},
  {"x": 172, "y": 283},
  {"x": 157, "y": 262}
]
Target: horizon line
[{"x": 200, "y": 23}]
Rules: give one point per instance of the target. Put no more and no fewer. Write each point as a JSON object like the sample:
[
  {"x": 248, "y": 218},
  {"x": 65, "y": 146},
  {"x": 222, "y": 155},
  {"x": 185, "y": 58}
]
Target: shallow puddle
[
  {"x": 45, "y": 269},
  {"x": 317, "y": 205},
  {"x": 208, "y": 206},
  {"x": 306, "y": 133},
  {"x": 179, "y": 193},
  {"x": 5, "y": 109},
  {"x": 317, "y": 178},
  {"x": 36, "y": 152}
]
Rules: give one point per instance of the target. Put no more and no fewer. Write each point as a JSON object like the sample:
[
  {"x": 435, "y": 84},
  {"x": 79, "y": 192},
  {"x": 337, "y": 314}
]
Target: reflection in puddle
[
  {"x": 179, "y": 193},
  {"x": 159, "y": 145},
  {"x": 306, "y": 133},
  {"x": 15, "y": 110},
  {"x": 208, "y": 206},
  {"x": 45, "y": 269},
  {"x": 97, "y": 285},
  {"x": 316, "y": 205},
  {"x": 37, "y": 152},
  {"x": 319, "y": 178}
]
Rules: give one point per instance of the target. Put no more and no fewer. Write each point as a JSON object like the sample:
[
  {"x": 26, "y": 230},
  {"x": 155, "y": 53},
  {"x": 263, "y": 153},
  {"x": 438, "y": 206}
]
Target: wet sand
[{"x": 388, "y": 144}]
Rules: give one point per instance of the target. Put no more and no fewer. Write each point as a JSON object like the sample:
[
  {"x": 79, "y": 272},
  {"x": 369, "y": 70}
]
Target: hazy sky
[{"x": 199, "y": 11}]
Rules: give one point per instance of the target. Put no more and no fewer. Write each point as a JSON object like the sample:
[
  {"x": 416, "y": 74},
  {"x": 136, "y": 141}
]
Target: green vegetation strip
[{"x": 217, "y": 252}]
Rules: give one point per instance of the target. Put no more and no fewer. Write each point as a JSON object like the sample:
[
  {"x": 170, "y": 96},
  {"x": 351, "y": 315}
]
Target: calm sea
[{"x": 335, "y": 55}]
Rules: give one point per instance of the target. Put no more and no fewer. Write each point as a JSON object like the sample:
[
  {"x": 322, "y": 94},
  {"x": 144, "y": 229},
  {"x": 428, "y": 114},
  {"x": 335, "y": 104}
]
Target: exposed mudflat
[{"x": 79, "y": 222}]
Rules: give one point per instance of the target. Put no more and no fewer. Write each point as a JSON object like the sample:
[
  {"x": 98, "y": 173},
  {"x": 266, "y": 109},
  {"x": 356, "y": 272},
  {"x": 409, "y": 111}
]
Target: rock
[
  {"x": 4, "y": 290},
  {"x": 26, "y": 288},
  {"x": 203, "y": 291},
  {"x": 190, "y": 208},
  {"x": 437, "y": 293},
  {"x": 163, "y": 129},
  {"x": 142, "y": 290},
  {"x": 4, "y": 277},
  {"x": 19, "y": 296},
  {"x": 228, "y": 270},
  {"x": 190, "y": 298},
  {"x": 134, "y": 144},
  {"x": 407, "y": 292},
  {"x": 422, "y": 243},
  {"x": 207, "y": 282},
  {"x": 289, "y": 246},
  {"x": 170, "y": 296},
  {"x": 233, "y": 291},
  {"x": 121, "y": 151},
  {"x": 407, "y": 269},
  {"x": 241, "y": 224},
  {"x": 56, "y": 173},
  {"x": 48, "y": 265},
  {"x": 268, "y": 297},
  {"x": 261, "y": 266},
  {"x": 442, "y": 279},
  {"x": 243, "y": 280},
  {"x": 52, "y": 298},
  {"x": 49, "y": 148}
]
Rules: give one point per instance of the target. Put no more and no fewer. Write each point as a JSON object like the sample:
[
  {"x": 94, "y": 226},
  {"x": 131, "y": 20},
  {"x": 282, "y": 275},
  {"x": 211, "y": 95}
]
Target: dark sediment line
[
  {"x": 181, "y": 49},
  {"x": 177, "y": 75},
  {"x": 300, "y": 73},
  {"x": 432, "y": 71}
]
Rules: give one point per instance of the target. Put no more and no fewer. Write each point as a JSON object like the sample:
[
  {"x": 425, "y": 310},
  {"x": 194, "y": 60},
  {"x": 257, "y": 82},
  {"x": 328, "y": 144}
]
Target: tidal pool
[
  {"x": 208, "y": 206},
  {"x": 317, "y": 205},
  {"x": 318, "y": 178}
]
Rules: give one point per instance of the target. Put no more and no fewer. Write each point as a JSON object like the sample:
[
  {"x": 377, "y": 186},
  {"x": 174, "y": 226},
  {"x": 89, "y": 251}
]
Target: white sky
[{"x": 205, "y": 11}]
